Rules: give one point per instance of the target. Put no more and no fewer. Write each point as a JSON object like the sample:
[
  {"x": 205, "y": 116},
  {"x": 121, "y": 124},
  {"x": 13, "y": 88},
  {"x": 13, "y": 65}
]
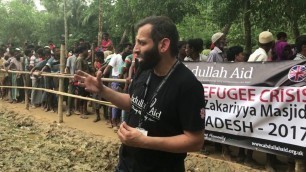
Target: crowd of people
[
  {"x": 269, "y": 49},
  {"x": 119, "y": 62}
]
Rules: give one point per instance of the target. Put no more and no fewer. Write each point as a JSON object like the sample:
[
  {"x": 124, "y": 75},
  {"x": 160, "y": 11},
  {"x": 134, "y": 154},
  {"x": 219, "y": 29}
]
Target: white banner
[{"x": 276, "y": 114}]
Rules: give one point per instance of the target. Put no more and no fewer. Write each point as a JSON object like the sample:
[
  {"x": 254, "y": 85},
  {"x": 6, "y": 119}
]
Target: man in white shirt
[
  {"x": 266, "y": 42},
  {"x": 115, "y": 66},
  {"x": 193, "y": 50},
  {"x": 300, "y": 48}
]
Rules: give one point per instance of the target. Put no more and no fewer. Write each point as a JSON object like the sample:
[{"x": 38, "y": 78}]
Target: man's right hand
[
  {"x": 128, "y": 80},
  {"x": 90, "y": 83}
]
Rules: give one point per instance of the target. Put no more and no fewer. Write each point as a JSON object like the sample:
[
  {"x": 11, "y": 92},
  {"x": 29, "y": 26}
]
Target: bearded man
[{"x": 165, "y": 101}]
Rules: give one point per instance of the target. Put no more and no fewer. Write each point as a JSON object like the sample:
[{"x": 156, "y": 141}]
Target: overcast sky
[{"x": 39, "y": 7}]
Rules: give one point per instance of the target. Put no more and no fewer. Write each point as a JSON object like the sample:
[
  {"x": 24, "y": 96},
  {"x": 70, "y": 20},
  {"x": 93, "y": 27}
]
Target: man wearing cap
[
  {"x": 266, "y": 42},
  {"x": 219, "y": 41}
]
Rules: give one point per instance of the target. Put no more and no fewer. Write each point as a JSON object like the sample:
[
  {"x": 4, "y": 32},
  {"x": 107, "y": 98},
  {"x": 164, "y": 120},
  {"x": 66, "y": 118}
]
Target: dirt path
[
  {"x": 74, "y": 121},
  {"x": 30, "y": 140}
]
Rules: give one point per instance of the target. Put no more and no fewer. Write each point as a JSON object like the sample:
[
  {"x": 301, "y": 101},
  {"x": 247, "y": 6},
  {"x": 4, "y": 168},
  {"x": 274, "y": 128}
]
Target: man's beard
[{"x": 149, "y": 59}]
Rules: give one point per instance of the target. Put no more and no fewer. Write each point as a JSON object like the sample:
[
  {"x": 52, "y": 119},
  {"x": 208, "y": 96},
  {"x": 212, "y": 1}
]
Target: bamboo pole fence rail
[{"x": 60, "y": 93}]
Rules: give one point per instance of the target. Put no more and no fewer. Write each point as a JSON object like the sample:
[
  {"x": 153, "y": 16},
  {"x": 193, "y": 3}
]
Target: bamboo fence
[{"x": 60, "y": 93}]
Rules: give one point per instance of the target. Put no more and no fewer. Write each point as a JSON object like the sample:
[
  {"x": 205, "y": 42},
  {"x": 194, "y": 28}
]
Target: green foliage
[
  {"x": 273, "y": 15},
  {"x": 20, "y": 22},
  {"x": 195, "y": 19}
]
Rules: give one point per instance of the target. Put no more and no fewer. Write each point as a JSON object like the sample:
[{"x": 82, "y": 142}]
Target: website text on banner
[{"x": 260, "y": 106}]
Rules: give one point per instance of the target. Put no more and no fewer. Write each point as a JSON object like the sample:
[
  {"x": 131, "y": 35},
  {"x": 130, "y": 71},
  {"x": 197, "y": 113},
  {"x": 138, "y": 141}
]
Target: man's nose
[{"x": 136, "y": 49}]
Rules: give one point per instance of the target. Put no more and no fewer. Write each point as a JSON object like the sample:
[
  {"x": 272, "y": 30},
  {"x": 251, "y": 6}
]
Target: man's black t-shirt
[{"x": 176, "y": 108}]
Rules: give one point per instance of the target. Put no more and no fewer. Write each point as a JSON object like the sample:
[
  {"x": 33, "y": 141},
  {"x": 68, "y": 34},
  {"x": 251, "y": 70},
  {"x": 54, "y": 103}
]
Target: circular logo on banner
[{"x": 297, "y": 73}]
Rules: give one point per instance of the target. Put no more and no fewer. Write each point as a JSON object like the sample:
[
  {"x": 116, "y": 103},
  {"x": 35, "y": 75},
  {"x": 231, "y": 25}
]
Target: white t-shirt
[
  {"x": 259, "y": 55},
  {"x": 116, "y": 62},
  {"x": 202, "y": 58},
  {"x": 299, "y": 56},
  {"x": 71, "y": 64}
]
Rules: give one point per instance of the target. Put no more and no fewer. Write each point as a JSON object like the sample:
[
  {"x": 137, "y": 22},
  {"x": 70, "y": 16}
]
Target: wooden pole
[
  {"x": 300, "y": 165},
  {"x": 57, "y": 75},
  {"x": 61, "y": 85},
  {"x": 64, "y": 94},
  {"x": 100, "y": 22},
  {"x": 26, "y": 78},
  {"x": 93, "y": 56},
  {"x": 66, "y": 24}
]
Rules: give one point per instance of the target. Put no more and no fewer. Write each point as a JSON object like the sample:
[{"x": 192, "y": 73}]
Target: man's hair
[
  {"x": 280, "y": 35},
  {"x": 233, "y": 51},
  {"x": 100, "y": 54},
  {"x": 299, "y": 42},
  {"x": 105, "y": 33},
  {"x": 196, "y": 44},
  {"x": 162, "y": 27},
  {"x": 12, "y": 51},
  {"x": 41, "y": 52},
  {"x": 81, "y": 40},
  {"x": 27, "y": 52},
  {"x": 180, "y": 44},
  {"x": 31, "y": 47},
  {"x": 47, "y": 51},
  {"x": 81, "y": 49},
  {"x": 128, "y": 44}
]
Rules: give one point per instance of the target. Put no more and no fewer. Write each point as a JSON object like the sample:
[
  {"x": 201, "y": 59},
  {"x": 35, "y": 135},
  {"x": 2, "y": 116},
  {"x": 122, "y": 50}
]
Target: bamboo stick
[
  {"x": 61, "y": 85},
  {"x": 64, "y": 94},
  {"x": 58, "y": 75},
  {"x": 92, "y": 56},
  {"x": 26, "y": 92}
]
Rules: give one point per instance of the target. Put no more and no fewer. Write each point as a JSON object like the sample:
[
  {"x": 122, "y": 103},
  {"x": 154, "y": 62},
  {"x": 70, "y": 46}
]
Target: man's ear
[{"x": 164, "y": 45}]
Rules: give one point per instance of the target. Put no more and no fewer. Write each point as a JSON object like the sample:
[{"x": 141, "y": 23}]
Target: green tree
[{"x": 21, "y": 22}]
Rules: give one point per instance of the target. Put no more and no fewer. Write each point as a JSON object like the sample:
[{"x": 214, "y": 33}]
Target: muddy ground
[{"x": 28, "y": 144}]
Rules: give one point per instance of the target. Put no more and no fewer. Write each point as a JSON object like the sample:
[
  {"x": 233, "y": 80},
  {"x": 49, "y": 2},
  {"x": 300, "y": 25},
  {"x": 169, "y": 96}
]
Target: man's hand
[
  {"x": 130, "y": 136},
  {"x": 31, "y": 72},
  {"x": 90, "y": 83},
  {"x": 128, "y": 80}
]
